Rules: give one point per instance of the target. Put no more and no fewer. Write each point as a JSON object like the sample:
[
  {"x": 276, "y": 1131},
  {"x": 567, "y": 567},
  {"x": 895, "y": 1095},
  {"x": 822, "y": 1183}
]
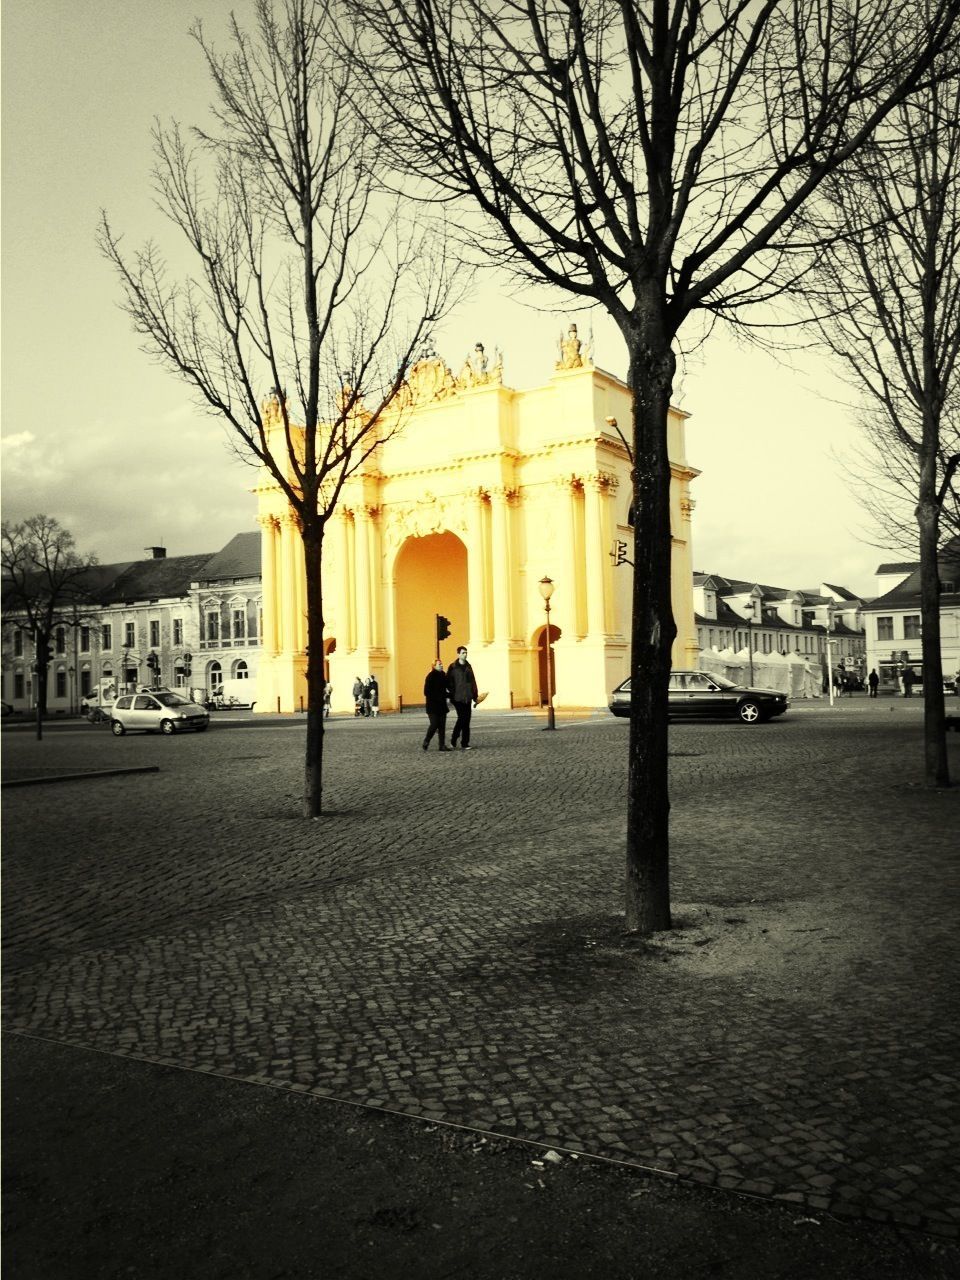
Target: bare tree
[
  {"x": 886, "y": 293},
  {"x": 882, "y": 475},
  {"x": 44, "y": 588},
  {"x": 312, "y": 293},
  {"x": 650, "y": 156}
]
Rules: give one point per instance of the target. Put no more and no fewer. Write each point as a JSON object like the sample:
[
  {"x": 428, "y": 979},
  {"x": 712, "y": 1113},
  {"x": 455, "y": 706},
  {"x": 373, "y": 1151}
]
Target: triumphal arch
[{"x": 482, "y": 492}]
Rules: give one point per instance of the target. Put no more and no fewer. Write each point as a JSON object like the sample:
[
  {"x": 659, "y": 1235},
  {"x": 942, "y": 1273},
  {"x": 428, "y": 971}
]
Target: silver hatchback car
[{"x": 161, "y": 711}]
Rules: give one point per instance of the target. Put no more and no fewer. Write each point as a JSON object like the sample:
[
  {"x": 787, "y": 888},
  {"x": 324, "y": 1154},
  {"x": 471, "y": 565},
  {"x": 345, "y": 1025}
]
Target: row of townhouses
[{"x": 749, "y": 617}]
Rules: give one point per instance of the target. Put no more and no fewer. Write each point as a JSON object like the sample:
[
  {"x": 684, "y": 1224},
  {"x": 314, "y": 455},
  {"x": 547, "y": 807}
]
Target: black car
[{"x": 706, "y": 696}]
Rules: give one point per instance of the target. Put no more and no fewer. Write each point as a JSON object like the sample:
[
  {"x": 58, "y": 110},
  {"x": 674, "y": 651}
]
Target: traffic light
[{"x": 443, "y": 627}]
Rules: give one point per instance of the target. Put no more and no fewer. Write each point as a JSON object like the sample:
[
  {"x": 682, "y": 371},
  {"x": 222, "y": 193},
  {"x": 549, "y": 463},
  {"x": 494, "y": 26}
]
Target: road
[{"x": 445, "y": 942}]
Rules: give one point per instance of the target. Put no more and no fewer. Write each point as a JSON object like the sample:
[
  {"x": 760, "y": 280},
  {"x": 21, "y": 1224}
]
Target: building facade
[
  {"x": 149, "y": 622},
  {"x": 894, "y": 625},
  {"x": 484, "y": 491},
  {"x": 226, "y": 601}
]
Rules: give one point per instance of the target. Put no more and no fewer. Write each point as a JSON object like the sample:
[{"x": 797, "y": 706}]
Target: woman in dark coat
[{"x": 436, "y": 691}]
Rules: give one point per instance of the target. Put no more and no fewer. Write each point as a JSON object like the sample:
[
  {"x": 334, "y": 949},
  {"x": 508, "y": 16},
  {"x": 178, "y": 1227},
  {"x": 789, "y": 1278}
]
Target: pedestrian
[
  {"x": 464, "y": 694},
  {"x": 327, "y": 695},
  {"x": 909, "y": 680},
  {"x": 358, "y": 697},
  {"x": 436, "y": 691},
  {"x": 873, "y": 681},
  {"x": 372, "y": 695}
]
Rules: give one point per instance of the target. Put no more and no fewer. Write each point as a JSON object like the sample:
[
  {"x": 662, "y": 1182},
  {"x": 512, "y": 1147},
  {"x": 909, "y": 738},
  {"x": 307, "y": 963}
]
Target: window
[
  {"x": 84, "y": 639},
  {"x": 767, "y": 645},
  {"x": 178, "y": 631},
  {"x": 216, "y": 677},
  {"x": 239, "y": 623},
  {"x": 241, "y": 671},
  {"x": 61, "y": 640},
  {"x": 911, "y": 626},
  {"x": 154, "y": 634},
  {"x": 18, "y": 643},
  {"x": 884, "y": 628},
  {"x": 948, "y": 586},
  {"x": 18, "y": 684},
  {"x": 85, "y": 682},
  {"x": 213, "y": 626},
  {"x": 106, "y": 636},
  {"x": 61, "y": 683},
  {"x": 130, "y": 634}
]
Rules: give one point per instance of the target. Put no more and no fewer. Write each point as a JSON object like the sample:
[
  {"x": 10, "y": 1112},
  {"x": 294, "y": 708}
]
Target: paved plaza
[{"x": 446, "y": 941}]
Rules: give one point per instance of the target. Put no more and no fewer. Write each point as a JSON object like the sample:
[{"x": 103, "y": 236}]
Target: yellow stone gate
[{"x": 483, "y": 491}]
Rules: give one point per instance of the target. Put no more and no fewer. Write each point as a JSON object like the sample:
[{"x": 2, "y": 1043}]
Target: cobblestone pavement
[{"x": 446, "y": 940}]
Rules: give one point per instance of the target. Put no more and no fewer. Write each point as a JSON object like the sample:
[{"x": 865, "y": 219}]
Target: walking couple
[{"x": 459, "y": 685}]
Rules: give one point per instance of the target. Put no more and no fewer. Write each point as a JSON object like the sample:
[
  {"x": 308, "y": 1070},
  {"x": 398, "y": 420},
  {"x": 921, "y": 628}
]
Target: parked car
[
  {"x": 158, "y": 711},
  {"x": 706, "y": 696}
]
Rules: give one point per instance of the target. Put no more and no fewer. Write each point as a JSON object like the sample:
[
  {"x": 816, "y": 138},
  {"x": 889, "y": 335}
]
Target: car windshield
[
  {"x": 720, "y": 681},
  {"x": 170, "y": 700}
]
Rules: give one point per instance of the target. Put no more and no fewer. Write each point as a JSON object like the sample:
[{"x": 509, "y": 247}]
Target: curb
[{"x": 77, "y": 777}]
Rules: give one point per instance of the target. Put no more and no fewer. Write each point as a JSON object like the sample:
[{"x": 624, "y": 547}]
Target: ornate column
[
  {"x": 343, "y": 622},
  {"x": 502, "y": 567},
  {"x": 376, "y": 573},
  {"x": 289, "y": 593},
  {"x": 572, "y": 586},
  {"x": 300, "y": 573},
  {"x": 599, "y": 596},
  {"x": 361, "y": 522},
  {"x": 476, "y": 568},
  {"x": 268, "y": 569}
]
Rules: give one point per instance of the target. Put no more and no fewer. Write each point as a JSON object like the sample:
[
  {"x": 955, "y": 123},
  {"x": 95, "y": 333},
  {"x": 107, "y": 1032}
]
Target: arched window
[
  {"x": 631, "y": 515},
  {"x": 240, "y": 670},
  {"x": 215, "y": 672}
]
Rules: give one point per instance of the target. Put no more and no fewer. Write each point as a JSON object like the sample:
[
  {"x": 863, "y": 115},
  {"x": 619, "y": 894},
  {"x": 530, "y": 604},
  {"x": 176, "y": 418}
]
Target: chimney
[{"x": 158, "y": 553}]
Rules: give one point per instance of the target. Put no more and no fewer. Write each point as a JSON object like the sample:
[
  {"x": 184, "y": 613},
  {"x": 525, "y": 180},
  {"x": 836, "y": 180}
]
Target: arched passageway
[
  {"x": 329, "y": 646},
  {"x": 430, "y": 579},
  {"x": 541, "y": 643}
]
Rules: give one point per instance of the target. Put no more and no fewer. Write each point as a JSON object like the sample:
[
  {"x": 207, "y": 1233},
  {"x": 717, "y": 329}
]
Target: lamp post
[
  {"x": 749, "y": 622},
  {"x": 546, "y": 590}
]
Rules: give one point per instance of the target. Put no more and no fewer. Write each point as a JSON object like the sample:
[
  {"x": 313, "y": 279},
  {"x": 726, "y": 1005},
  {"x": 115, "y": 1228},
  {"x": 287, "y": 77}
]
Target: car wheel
[
  {"x": 166, "y": 726},
  {"x": 117, "y": 728},
  {"x": 749, "y": 712}
]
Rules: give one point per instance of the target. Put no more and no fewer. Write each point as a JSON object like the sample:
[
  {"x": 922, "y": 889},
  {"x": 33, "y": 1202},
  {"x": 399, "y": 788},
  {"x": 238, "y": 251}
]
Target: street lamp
[
  {"x": 749, "y": 622},
  {"x": 546, "y": 590}
]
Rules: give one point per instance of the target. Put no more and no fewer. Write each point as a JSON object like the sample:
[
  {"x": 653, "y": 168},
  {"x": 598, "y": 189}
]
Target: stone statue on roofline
[
  {"x": 477, "y": 370},
  {"x": 574, "y": 354}
]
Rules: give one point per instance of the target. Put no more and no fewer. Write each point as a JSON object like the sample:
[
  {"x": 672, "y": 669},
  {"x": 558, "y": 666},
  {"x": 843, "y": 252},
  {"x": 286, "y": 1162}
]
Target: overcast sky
[{"x": 98, "y": 436}]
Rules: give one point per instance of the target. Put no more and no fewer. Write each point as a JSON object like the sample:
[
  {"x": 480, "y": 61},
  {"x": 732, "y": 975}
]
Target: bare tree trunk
[
  {"x": 651, "y": 370},
  {"x": 43, "y": 668},
  {"x": 313, "y": 763},
  {"x": 936, "y": 769}
]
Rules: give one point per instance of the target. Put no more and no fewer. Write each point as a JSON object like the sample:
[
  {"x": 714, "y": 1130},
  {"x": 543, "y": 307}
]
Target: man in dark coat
[
  {"x": 436, "y": 692},
  {"x": 464, "y": 695}
]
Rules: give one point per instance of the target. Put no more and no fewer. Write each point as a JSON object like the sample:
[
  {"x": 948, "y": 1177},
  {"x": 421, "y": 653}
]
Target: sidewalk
[{"x": 793, "y": 1038}]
